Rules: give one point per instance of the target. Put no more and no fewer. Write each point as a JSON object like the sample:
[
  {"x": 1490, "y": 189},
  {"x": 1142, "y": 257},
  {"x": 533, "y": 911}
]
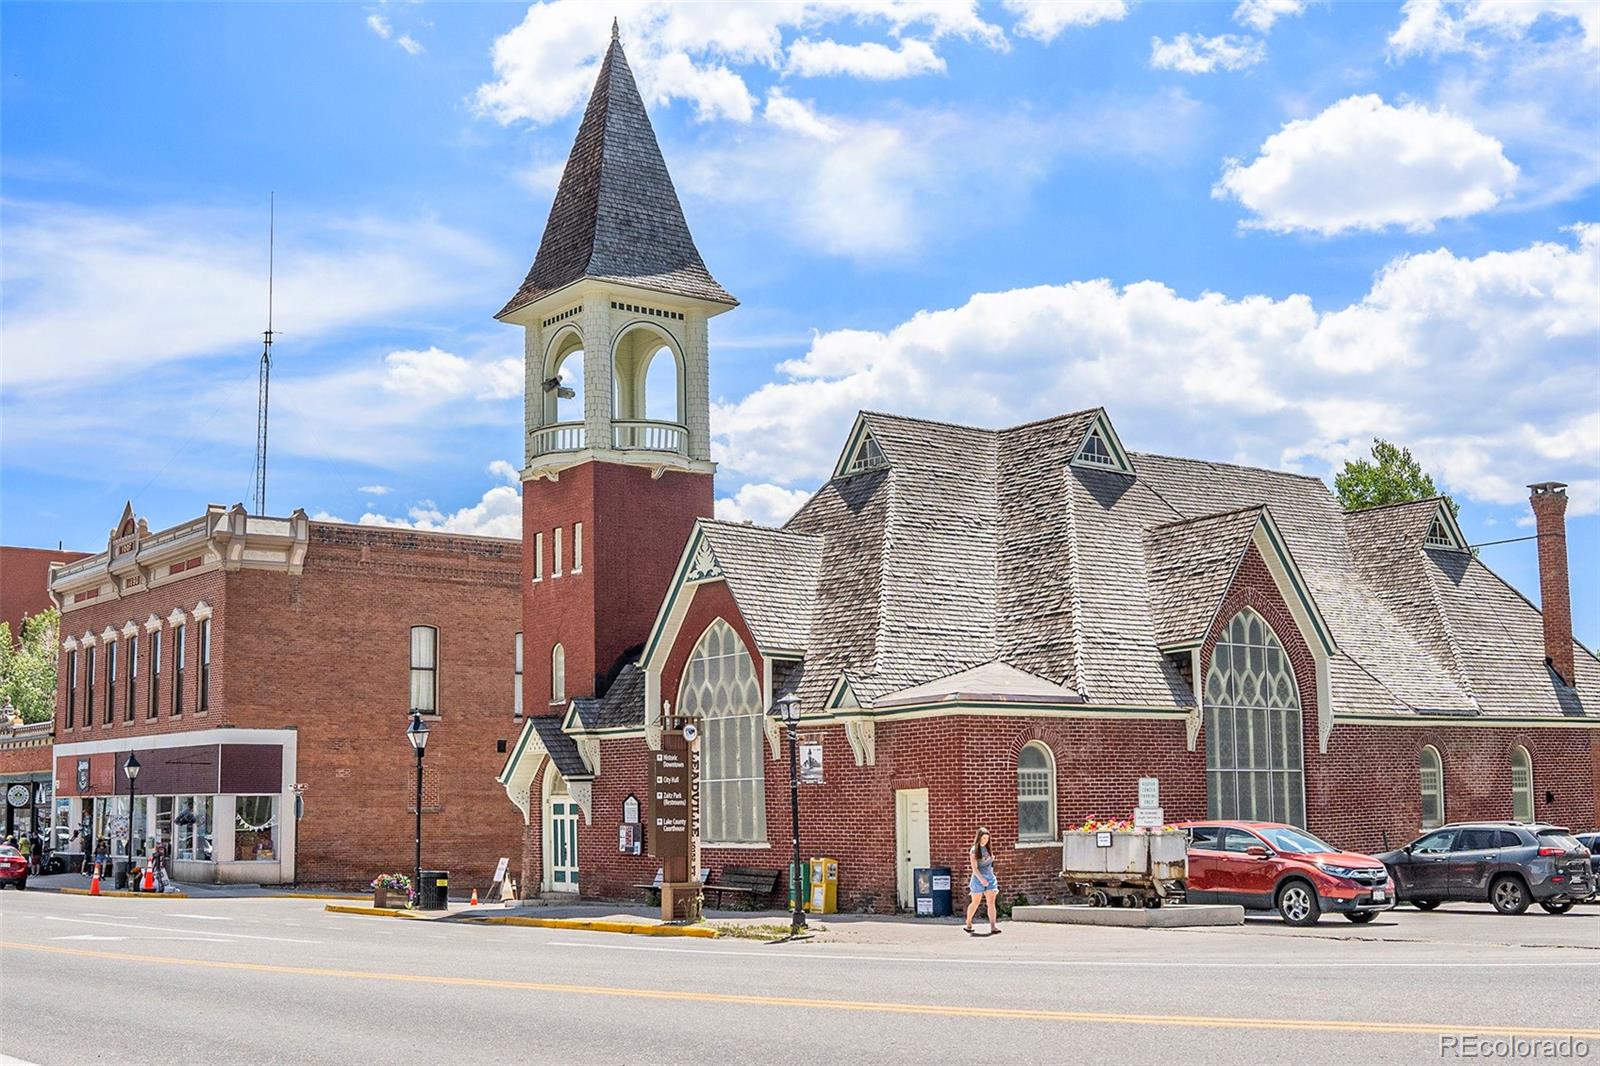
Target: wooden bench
[
  {"x": 654, "y": 887},
  {"x": 744, "y": 881}
]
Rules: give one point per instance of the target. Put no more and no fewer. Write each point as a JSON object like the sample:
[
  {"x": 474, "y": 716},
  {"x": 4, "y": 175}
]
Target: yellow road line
[{"x": 867, "y": 1006}]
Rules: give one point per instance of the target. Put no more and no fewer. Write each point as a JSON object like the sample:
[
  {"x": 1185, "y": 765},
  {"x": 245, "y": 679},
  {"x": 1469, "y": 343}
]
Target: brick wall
[
  {"x": 634, "y": 530},
  {"x": 25, "y": 582},
  {"x": 327, "y": 653}
]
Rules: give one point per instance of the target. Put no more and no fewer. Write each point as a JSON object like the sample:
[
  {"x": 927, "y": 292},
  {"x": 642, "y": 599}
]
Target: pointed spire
[
  {"x": 616, "y": 34},
  {"x": 616, "y": 215}
]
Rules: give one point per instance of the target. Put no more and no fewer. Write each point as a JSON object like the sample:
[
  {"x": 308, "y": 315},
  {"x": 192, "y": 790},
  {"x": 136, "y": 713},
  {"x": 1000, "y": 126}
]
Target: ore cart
[{"x": 1127, "y": 869}]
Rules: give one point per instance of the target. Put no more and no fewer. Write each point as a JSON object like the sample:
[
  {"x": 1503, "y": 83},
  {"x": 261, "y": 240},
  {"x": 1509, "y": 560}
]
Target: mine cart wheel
[
  {"x": 1152, "y": 902},
  {"x": 1099, "y": 899}
]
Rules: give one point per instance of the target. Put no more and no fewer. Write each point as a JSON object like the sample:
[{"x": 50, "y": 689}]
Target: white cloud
[
  {"x": 379, "y": 24},
  {"x": 1364, "y": 165},
  {"x": 545, "y": 66},
  {"x": 503, "y": 469},
  {"x": 1435, "y": 27},
  {"x": 1260, "y": 15},
  {"x": 873, "y": 188},
  {"x": 798, "y": 116},
  {"x": 1191, "y": 53},
  {"x": 375, "y": 490},
  {"x": 497, "y": 514},
  {"x": 1274, "y": 381},
  {"x": 1044, "y": 20},
  {"x": 441, "y": 375},
  {"x": 870, "y": 60},
  {"x": 765, "y": 505},
  {"x": 170, "y": 284}
]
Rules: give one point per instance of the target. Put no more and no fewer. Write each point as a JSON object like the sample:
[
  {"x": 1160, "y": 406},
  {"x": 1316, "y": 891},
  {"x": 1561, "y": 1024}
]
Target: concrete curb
[
  {"x": 377, "y": 912},
  {"x": 118, "y": 893},
  {"x": 600, "y": 925}
]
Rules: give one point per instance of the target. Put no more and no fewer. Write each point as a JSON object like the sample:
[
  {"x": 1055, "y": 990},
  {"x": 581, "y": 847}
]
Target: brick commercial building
[
  {"x": 984, "y": 627},
  {"x": 25, "y": 582},
  {"x": 263, "y": 670}
]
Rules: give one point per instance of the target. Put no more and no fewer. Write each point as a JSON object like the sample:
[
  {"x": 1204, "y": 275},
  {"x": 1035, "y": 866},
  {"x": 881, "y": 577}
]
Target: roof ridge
[
  {"x": 925, "y": 421},
  {"x": 1233, "y": 466},
  {"x": 1398, "y": 503},
  {"x": 1053, "y": 418},
  {"x": 757, "y": 527}
]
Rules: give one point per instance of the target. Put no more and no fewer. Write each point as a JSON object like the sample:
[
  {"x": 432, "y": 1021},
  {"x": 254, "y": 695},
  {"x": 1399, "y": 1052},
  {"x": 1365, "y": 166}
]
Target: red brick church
[{"x": 1006, "y": 627}]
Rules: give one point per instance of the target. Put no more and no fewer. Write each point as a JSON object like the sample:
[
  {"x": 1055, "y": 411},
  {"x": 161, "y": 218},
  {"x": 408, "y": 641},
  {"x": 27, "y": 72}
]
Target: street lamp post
[
  {"x": 787, "y": 710},
  {"x": 131, "y": 768},
  {"x": 417, "y": 733}
]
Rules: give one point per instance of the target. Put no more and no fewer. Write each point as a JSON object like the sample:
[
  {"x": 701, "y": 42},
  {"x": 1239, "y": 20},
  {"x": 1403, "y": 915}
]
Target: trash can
[
  {"x": 434, "y": 892},
  {"x": 930, "y": 891},
  {"x": 824, "y": 886},
  {"x": 799, "y": 883}
]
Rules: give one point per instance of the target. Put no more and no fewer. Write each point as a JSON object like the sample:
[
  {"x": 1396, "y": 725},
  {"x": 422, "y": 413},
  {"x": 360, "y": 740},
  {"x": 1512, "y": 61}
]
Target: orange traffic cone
[
  {"x": 474, "y": 897},
  {"x": 94, "y": 883},
  {"x": 149, "y": 877}
]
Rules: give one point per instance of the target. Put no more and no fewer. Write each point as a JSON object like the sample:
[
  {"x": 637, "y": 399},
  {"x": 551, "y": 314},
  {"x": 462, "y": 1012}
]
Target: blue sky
[{"x": 1257, "y": 232}]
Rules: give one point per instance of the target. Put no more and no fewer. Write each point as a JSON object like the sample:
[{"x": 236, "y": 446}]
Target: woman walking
[{"x": 983, "y": 886}]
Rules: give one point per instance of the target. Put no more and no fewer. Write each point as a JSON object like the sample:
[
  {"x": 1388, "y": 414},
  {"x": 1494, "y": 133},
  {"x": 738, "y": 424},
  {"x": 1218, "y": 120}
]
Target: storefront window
[
  {"x": 142, "y": 843},
  {"x": 255, "y": 827},
  {"x": 193, "y": 826}
]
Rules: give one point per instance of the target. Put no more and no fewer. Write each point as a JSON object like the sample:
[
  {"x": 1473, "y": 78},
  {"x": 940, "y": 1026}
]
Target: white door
[
  {"x": 560, "y": 836},
  {"x": 910, "y": 837}
]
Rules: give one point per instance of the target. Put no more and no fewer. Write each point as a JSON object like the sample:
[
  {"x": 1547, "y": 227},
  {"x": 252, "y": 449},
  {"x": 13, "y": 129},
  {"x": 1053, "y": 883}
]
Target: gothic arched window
[
  {"x": 1253, "y": 749},
  {"x": 720, "y": 688}
]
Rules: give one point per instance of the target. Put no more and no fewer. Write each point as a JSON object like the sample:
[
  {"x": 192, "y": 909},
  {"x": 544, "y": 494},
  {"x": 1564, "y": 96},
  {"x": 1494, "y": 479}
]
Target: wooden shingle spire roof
[{"x": 616, "y": 215}]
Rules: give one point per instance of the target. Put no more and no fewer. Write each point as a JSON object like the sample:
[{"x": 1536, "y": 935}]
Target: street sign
[
  {"x": 1102, "y": 839},
  {"x": 1149, "y": 818},
  {"x": 500, "y": 869},
  {"x": 1149, "y": 792},
  {"x": 669, "y": 805}
]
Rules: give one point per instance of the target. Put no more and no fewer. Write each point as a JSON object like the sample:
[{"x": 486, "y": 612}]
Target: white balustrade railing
[
  {"x": 560, "y": 437},
  {"x": 648, "y": 436}
]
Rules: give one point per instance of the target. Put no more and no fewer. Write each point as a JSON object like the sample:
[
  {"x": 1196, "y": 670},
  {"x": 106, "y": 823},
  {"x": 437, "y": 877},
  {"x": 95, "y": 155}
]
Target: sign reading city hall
[{"x": 669, "y": 805}]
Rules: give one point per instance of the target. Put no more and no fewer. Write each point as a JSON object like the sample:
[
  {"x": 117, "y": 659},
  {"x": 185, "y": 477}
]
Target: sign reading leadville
[{"x": 669, "y": 805}]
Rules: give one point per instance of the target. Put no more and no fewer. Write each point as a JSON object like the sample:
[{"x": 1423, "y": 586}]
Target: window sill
[
  {"x": 737, "y": 847},
  {"x": 1030, "y": 845}
]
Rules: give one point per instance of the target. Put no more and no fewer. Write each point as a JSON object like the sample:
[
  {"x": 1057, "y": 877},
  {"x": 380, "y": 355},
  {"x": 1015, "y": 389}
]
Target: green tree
[
  {"x": 1392, "y": 475},
  {"x": 28, "y": 670}
]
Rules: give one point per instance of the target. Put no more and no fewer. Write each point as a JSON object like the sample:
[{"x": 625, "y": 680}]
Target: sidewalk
[{"x": 79, "y": 883}]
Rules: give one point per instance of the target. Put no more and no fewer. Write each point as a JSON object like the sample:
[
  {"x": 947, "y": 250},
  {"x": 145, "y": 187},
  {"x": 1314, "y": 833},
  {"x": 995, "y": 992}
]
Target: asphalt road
[{"x": 271, "y": 980}]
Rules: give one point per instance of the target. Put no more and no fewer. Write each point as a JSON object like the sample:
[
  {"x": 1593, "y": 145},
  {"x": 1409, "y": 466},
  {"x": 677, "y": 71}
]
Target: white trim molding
[
  {"x": 70, "y": 644},
  {"x": 202, "y": 611},
  {"x": 152, "y": 623},
  {"x": 177, "y": 617},
  {"x": 108, "y": 635},
  {"x": 862, "y": 733},
  {"x": 88, "y": 640},
  {"x": 130, "y": 629}
]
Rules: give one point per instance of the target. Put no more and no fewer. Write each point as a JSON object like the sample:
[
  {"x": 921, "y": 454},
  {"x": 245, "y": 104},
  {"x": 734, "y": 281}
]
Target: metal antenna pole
[{"x": 264, "y": 382}]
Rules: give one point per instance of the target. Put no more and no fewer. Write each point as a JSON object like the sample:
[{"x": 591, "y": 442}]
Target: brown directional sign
[{"x": 669, "y": 804}]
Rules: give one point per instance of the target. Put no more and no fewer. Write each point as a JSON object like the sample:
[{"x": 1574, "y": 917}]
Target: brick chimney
[{"x": 1549, "y": 501}]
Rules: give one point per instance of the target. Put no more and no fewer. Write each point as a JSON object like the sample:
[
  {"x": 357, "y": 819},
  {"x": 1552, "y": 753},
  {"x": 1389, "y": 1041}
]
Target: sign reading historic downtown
[{"x": 669, "y": 805}]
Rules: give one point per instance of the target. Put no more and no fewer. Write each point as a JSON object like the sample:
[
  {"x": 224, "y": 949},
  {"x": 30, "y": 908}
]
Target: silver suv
[{"x": 1508, "y": 864}]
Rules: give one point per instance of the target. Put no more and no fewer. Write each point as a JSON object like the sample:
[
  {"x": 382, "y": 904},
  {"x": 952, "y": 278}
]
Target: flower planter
[{"x": 380, "y": 897}]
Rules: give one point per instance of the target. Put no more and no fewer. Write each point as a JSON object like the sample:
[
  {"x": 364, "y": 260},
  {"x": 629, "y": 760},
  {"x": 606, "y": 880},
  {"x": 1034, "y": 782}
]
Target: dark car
[
  {"x": 1592, "y": 842},
  {"x": 1508, "y": 864}
]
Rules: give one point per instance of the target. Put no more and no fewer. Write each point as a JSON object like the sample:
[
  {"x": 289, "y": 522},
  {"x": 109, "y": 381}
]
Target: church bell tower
[{"x": 617, "y": 449}]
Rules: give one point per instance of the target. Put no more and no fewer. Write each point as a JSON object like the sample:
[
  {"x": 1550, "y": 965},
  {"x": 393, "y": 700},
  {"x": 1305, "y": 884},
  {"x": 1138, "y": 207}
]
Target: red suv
[{"x": 1267, "y": 866}]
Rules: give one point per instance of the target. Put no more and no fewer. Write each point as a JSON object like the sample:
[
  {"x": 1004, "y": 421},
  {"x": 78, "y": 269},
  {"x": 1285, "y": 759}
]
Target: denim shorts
[{"x": 978, "y": 886}]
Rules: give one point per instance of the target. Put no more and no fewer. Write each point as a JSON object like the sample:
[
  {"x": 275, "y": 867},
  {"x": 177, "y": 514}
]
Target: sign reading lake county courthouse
[{"x": 669, "y": 805}]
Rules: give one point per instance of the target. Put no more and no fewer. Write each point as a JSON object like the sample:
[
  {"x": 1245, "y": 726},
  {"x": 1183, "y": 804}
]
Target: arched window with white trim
[
  {"x": 720, "y": 688},
  {"x": 558, "y": 674},
  {"x": 1253, "y": 727},
  {"x": 1036, "y": 793},
  {"x": 1430, "y": 781},
  {"x": 1521, "y": 784}
]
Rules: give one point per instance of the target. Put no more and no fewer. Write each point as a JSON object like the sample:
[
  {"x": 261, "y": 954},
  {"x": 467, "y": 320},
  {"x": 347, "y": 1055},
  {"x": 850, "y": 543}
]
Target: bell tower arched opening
[{"x": 647, "y": 391}]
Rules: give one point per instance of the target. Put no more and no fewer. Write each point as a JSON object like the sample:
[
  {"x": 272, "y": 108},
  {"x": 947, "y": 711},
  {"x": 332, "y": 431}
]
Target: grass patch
[{"x": 751, "y": 930}]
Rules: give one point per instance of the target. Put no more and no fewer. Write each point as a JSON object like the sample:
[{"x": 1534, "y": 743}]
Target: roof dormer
[
  {"x": 1100, "y": 448},
  {"x": 861, "y": 454},
  {"x": 1443, "y": 532}
]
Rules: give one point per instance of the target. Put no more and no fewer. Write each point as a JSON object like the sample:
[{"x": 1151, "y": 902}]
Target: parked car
[
  {"x": 13, "y": 867},
  {"x": 1270, "y": 866},
  {"x": 1508, "y": 864},
  {"x": 1591, "y": 841}
]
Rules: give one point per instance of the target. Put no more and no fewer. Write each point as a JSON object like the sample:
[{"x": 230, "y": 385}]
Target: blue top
[{"x": 985, "y": 863}]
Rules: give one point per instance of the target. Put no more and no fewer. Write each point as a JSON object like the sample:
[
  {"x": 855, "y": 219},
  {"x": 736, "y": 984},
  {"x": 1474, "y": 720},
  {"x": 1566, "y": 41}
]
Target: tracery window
[
  {"x": 1254, "y": 765},
  {"x": 720, "y": 687},
  {"x": 1036, "y": 793}
]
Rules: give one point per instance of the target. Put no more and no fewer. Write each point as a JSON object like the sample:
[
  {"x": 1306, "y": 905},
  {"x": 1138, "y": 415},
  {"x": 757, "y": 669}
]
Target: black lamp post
[
  {"x": 131, "y": 768},
  {"x": 787, "y": 710},
  {"x": 417, "y": 733}
]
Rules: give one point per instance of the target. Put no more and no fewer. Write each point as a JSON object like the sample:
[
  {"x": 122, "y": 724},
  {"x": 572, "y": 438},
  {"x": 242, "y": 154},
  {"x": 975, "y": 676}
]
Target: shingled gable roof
[
  {"x": 974, "y": 546},
  {"x": 616, "y": 215},
  {"x": 1191, "y": 564},
  {"x": 772, "y": 574}
]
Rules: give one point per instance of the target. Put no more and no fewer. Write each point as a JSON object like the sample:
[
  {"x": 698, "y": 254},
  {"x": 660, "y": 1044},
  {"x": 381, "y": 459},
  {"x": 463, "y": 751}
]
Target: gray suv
[{"x": 1508, "y": 864}]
